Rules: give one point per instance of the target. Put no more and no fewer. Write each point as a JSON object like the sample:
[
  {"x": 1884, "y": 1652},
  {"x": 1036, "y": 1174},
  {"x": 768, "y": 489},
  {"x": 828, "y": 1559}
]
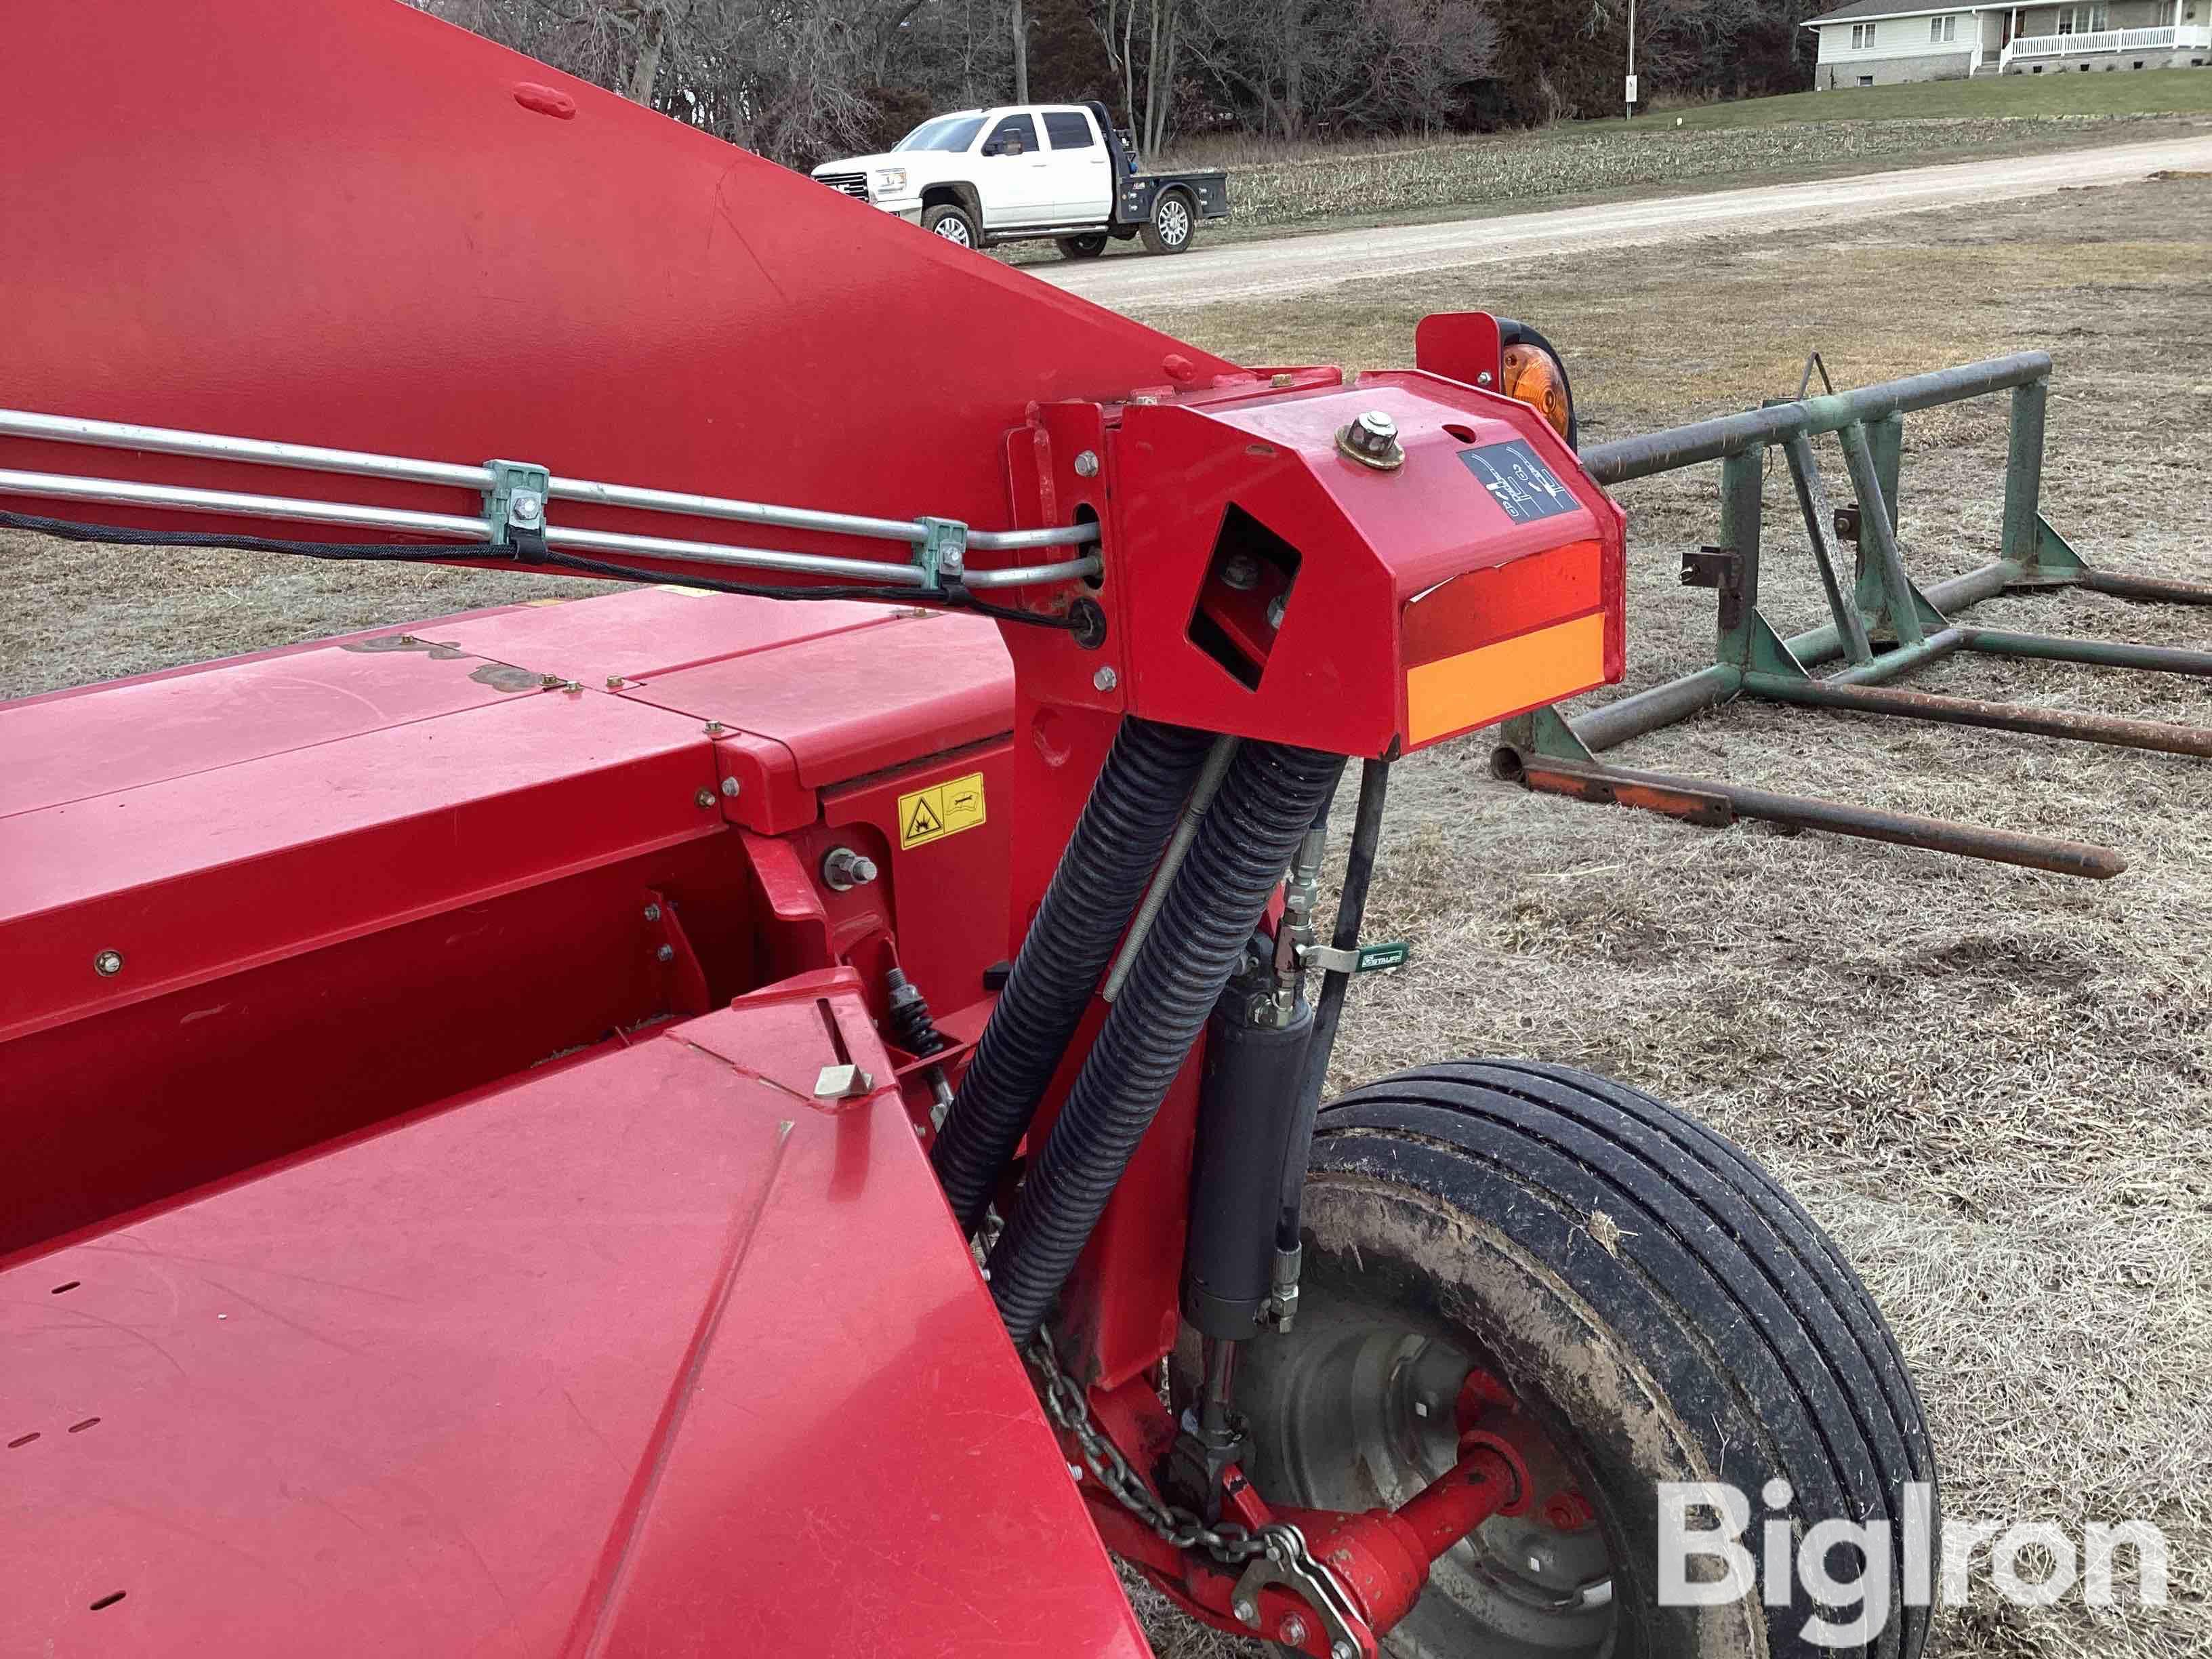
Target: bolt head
[
  {"x": 666, "y": 953},
  {"x": 1241, "y": 571},
  {"x": 705, "y": 798},
  {"x": 653, "y": 913},
  {"x": 1086, "y": 464},
  {"x": 525, "y": 507},
  {"x": 952, "y": 560},
  {"x": 107, "y": 963},
  {"x": 1483, "y": 378},
  {"x": 1275, "y": 608},
  {"x": 1342, "y": 1650},
  {"x": 713, "y": 728},
  {"x": 1246, "y": 1609},
  {"x": 1378, "y": 427},
  {"x": 1293, "y": 1630},
  {"x": 729, "y": 788},
  {"x": 614, "y": 681},
  {"x": 1105, "y": 679}
]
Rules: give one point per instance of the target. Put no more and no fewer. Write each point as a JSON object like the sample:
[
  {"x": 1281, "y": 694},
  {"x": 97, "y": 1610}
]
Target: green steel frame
[{"x": 1881, "y": 626}]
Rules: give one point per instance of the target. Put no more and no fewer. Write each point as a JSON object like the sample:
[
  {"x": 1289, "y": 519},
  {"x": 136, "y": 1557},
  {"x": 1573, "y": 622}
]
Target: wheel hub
[{"x": 1375, "y": 1411}]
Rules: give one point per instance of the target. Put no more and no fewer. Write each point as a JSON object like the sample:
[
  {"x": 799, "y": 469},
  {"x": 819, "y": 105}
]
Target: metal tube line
[
  {"x": 455, "y": 527},
  {"x": 1708, "y": 440},
  {"x": 261, "y": 452}
]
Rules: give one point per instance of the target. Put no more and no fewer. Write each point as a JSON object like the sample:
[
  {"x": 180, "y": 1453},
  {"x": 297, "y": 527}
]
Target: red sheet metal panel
[
  {"x": 855, "y": 703},
  {"x": 651, "y": 1355},
  {"x": 649, "y": 631},
  {"x": 195, "y": 876},
  {"x": 142, "y": 732}
]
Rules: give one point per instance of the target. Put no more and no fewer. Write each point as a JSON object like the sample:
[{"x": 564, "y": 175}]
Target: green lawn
[{"x": 2117, "y": 92}]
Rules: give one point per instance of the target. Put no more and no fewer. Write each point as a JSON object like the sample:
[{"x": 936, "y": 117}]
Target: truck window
[
  {"x": 946, "y": 133},
  {"x": 1069, "y": 130},
  {"x": 1020, "y": 129}
]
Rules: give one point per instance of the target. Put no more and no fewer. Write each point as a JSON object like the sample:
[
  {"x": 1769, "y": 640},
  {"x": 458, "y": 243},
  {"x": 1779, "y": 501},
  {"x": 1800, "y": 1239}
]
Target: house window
[
  {"x": 2084, "y": 19},
  {"x": 1940, "y": 29},
  {"x": 1866, "y": 79},
  {"x": 1862, "y": 36}
]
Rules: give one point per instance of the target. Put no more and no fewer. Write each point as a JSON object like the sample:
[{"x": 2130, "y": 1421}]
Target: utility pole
[
  {"x": 1628, "y": 112},
  {"x": 1021, "y": 56}
]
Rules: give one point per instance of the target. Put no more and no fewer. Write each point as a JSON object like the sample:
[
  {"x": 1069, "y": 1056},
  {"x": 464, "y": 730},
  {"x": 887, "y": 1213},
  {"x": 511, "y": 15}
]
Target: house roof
[{"x": 1859, "y": 10}]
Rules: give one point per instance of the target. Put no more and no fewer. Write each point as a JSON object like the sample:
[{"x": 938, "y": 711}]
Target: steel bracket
[
  {"x": 943, "y": 554},
  {"x": 1288, "y": 1566},
  {"x": 1367, "y": 959},
  {"x": 1545, "y": 731},
  {"x": 514, "y": 505}
]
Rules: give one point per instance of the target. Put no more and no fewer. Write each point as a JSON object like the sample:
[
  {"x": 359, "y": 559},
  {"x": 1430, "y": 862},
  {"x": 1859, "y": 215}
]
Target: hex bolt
[
  {"x": 729, "y": 788},
  {"x": 713, "y": 728},
  {"x": 1086, "y": 464},
  {"x": 1105, "y": 679},
  {"x": 653, "y": 913},
  {"x": 1293, "y": 1630},
  {"x": 1275, "y": 609},
  {"x": 951, "y": 561},
  {"x": 705, "y": 798},
  {"x": 1342, "y": 1650},
  {"x": 614, "y": 681},
  {"x": 843, "y": 869},
  {"x": 107, "y": 963},
  {"x": 1246, "y": 1609},
  {"x": 1372, "y": 440},
  {"x": 1483, "y": 378},
  {"x": 1283, "y": 382},
  {"x": 525, "y": 507},
  {"x": 571, "y": 685},
  {"x": 1240, "y": 571},
  {"x": 666, "y": 953}
]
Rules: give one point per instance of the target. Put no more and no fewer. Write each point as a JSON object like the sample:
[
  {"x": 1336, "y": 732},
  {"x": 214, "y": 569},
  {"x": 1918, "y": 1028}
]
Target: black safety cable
[{"x": 540, "y": 558}]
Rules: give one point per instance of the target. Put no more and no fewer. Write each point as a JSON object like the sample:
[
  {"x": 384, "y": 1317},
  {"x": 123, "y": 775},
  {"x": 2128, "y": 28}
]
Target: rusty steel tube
[
  {"x": 2069, "y": 723},
  {"x": 1586, "y": 781},
  {"x": 2164, "y": 588},
  {"x": 2098, "y": 654}
]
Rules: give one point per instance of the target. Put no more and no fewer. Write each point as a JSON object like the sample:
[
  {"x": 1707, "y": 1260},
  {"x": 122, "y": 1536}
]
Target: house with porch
[{"x": 1871, "y": 43}]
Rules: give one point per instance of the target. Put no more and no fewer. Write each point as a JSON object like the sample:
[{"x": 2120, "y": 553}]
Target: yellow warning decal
[{"x": 941, "y": 809}]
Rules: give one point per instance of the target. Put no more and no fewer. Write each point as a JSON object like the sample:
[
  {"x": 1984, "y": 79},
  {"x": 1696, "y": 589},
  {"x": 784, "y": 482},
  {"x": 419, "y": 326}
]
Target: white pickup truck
[{"x": 1031, "y": 173}]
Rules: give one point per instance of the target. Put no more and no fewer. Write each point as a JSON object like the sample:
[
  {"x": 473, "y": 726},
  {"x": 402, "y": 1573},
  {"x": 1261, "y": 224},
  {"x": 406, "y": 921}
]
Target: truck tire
[
  {"x": 1658, "y": 1308},
  {"x": 1173, "y": 223},
  {"x": 953, "y": 223},
  {"x": 1081, "y": 247}
]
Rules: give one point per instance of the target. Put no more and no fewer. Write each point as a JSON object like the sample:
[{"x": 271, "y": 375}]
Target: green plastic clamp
[{"x": 508, "y": 477}]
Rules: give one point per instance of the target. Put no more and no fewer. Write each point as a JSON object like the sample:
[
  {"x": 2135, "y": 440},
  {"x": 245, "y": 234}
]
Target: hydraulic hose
[
  {"x": 1265, "y": 807},
  {"x": 1134, "y": 806}
]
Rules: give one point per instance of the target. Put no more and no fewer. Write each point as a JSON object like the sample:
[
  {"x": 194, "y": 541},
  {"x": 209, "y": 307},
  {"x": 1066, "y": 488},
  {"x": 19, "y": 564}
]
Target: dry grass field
[{"x": 1994, "y": 1086}]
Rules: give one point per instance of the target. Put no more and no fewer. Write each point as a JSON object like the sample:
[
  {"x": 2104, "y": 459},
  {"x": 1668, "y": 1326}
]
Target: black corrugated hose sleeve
[
  {"x": 1134, "y": 803},
  {"x": 1265, "y": 806}
]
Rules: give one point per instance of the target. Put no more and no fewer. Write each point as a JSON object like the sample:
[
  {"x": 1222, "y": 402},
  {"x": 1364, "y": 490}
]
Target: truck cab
[{"x": 1030, "y": 172}]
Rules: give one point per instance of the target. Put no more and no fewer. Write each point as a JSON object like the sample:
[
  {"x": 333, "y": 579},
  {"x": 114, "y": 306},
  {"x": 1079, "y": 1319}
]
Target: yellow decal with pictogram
[{"x": 941, "y": 809}]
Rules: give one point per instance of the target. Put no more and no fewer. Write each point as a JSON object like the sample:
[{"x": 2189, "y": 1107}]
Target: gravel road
[{"x": 1304, "y": 264}]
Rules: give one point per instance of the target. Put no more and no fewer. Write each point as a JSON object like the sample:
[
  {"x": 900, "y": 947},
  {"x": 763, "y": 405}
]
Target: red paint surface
[{"x": 570, "y": 1368}]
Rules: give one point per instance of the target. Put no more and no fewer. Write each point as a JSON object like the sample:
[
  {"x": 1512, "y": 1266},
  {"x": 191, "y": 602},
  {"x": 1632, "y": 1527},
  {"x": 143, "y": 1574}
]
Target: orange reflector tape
[{"x": 1492, "y": 681}]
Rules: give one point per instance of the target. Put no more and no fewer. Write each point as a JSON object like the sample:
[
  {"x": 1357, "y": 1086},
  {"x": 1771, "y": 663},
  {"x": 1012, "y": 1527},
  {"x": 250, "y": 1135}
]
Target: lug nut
[
  {"x": 1372, "y": 440},
  {"x": 843, "y": 869}
]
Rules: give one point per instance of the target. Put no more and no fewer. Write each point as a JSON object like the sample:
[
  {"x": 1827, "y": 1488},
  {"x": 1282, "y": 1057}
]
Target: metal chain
[{"x": 1230, "y": 1543}]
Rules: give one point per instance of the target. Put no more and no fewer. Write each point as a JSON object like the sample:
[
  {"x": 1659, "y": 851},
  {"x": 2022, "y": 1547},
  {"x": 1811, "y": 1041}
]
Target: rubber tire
[
  {"x": 1081, "y": 247},
  {"x": 1156, "y": 243},
  {"x": 932, "y": 217},
  {"x": 1461, "y": 1196}
]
